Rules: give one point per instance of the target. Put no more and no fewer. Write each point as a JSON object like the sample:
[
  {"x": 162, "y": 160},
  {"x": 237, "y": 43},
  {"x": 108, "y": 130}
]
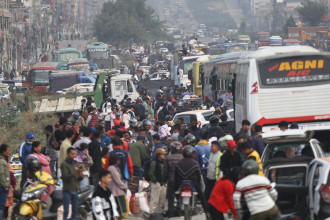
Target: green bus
[{"x": 64, "y": 56}]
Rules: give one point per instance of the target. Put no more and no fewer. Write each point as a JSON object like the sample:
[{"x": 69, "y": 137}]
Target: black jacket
[
  {"x": 187, "y": 169},
  {"x": 169, "y": 166},
  {"x": 214, "y": 130},
  {"x": 139, "y": 110},
  {"x": 197, "y": 132},
  {"x": 94, "y": 149},
  {"x": 228, "y": 127},
  {"x": 229, "y": 161}
]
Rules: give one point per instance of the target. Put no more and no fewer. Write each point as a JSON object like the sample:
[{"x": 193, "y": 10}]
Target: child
[{"x": 103, "y": 203}]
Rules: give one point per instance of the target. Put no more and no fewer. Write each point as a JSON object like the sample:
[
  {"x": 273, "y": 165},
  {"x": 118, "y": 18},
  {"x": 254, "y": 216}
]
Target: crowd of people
[{"x": 106, "y": 146}]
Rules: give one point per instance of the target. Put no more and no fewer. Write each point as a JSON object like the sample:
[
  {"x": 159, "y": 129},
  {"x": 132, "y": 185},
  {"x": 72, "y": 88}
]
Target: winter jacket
[
  {"x": 24, "y": 151},
  {"x": 5, "y": 174},
  {"x": 125, "y": 165},
  {"x": 187, "y": 169},
  {"x": 139, "y": 110},
  {"x": 169, "y": 166},
  {"x": 138, "y": 154},
  {"x": 104, "y": 205},
  {"x": 229, "y": 161},
  {"x": 70, "y": 182},
  {"x": 203, "y": 150},
  {"x": 222, "y": 193}
]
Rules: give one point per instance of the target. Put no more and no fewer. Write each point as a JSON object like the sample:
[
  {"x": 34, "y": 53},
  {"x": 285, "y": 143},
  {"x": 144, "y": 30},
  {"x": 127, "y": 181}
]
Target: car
[
  {"x": 319, "y": 188},
  {"x": 303, "y": 186},
  {"x": 202, "y": 116},
  {"x": 289, "y": 144}
]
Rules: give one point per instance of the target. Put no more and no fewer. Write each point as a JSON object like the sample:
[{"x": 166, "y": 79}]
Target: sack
[
  {"x": 125, "y": 216},
  {"x": 134, "y": 205},
  {"x": 143, "y": 200},
  {"x": 146, "y": 170},
  {"x": 156, "y": 216},
  {"x": 143, "y": 185}
]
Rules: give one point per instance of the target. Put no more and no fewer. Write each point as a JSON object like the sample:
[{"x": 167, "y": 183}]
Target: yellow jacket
[{"x": 258, "y": 160}]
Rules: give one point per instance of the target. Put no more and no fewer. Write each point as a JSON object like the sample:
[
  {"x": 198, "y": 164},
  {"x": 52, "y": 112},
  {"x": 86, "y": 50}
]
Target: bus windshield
[
  {"x": 40, "y": 77},
  {"x": 67, "y": 56},
  {"x": 264, "y": 37},
  {"x": 100, "y": 53},
  {"x": 298, "y": 71}
]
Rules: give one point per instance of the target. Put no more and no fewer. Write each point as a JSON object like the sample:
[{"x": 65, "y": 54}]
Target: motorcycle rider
[
  {"x": 190, "y": 139},
  {"x": 188, "y": 169},
  {"x": 169, "y": 168},
  {"x": 259, "y": 195}
]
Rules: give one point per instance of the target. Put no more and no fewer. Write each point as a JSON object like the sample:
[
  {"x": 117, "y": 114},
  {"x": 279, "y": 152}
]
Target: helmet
[
  {"x": 132, "y": 122},
  {"x": 77, "y": 114},
  {"x": 139, "y": 125},
  {"x": 160, "y": 91},
  {"x": 189, "y": 151},
  {"x": 190, "y": 139},
  {"x": 180, "y": 103},
  {"x": 168, "y": 118},
  {"x": 30, "y": 135},
  {"x": 176, "y": 146},
  {"x": 214, "y": 120},
  {"x": 250, "y": 167},
  {"x": 146, "y": 122},
  {"x": 32, "y": 163}
]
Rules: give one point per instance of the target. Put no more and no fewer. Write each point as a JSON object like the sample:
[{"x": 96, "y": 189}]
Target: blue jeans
[
  {"x": 67, "y": 197},
  {"x": 3, "y": 199}
]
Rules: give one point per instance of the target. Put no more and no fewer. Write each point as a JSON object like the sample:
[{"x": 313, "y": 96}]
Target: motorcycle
[
  {"x": 187, "y": 199},
  {"x": 28, "y": 203}
]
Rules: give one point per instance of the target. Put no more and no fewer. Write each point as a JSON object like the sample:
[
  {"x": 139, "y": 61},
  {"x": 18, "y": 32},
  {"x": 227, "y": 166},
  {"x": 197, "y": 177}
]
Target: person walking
[
  {"x": 94, "y": 149},
  {"x": 158, "y": 186},
  {"x": 71, "y": 177},
  {"x": 103, "y": 202},
  {"x": 259, "y": 195},
  {"x": 92, "y": 118},
  {"x": 222, "y": 193},
  {"x": 117, "y": 187},
  {"x": 138, "y": 154},
  {"x": 24, "y": 151},
  {"x": 4, "y": 178},
  {"x": 45, "y": 167},
  {"x": 168, "y": 174},
  {"x": 213, "y": 170}
]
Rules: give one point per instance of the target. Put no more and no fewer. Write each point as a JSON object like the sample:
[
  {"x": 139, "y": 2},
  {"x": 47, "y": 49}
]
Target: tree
[
  {"x": 312, "y": 13},
  {"x": 289, "y": 23},
  {"x": 125, "y": 21}
]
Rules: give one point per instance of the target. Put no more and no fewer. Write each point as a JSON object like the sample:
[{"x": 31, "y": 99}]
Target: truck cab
[{"x": 118, "y": 86}]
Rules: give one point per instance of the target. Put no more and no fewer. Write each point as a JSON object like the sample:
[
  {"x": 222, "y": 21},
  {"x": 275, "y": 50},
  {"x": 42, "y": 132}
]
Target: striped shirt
[{"x": 258, "y": 193}]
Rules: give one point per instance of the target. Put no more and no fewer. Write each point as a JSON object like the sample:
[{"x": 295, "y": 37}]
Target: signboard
[
  {"x": 97, "y": 50},
  {"x": 294, "y": 71}
]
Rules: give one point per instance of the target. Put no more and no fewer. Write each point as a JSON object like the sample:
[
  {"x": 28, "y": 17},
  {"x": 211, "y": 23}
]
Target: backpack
[
  {"x": 156, "y": 216},
  {"x": 122, "y": 156},
  {"x": 146, "y": 170}
]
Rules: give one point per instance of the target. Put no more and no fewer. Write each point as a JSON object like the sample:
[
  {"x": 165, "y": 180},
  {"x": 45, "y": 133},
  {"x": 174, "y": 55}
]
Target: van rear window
[{"x": 295, "y": 176}]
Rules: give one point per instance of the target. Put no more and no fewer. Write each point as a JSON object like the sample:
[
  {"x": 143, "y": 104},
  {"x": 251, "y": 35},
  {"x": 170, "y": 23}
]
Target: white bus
[{"x": 277, "y": 84}]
